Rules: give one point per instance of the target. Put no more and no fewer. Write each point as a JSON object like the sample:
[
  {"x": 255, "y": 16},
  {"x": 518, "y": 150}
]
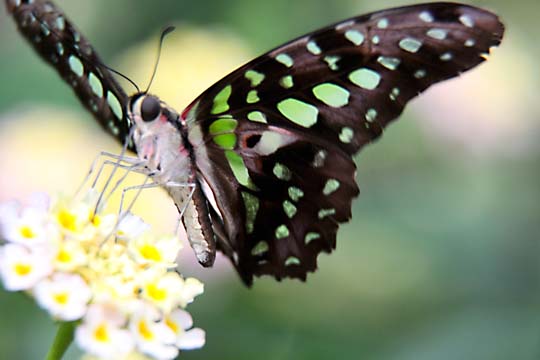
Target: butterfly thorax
[
  {"x": 158, "y": 141},
  {"x": 164, "y": 151}
]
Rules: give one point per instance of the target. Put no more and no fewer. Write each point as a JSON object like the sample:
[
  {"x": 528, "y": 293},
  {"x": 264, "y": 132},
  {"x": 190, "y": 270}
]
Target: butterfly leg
[
  {"x": 139, "y": 189},
  {"x": 151, "y": 186},
  {"x": 104, "y": 155}
]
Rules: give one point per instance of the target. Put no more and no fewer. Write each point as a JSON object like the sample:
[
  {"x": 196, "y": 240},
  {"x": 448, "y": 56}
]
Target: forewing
[
  {"x": 63, "y": 47},
  {"x": 274, "y": 139}
]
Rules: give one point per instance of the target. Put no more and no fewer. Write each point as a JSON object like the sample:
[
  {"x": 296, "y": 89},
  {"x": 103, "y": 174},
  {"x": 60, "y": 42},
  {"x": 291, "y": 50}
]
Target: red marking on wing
[{"x": 186, "y": 111}]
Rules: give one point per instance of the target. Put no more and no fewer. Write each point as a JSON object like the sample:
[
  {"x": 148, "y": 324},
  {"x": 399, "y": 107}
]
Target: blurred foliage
[{"x": 441, "y": 260}]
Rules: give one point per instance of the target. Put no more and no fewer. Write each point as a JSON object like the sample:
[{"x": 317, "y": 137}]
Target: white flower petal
[
  {"x": 130, "y": 227},
  {"x": 64, "y": 296},
  {"x": 182, "y": 318},
  {"x": 40, "y": 201},
  {"x": 152, "y": 335},
  {"x": 21, "y": 268},
  {"x": 102, "y": 334},
  {"x": 192, "y": 339}
]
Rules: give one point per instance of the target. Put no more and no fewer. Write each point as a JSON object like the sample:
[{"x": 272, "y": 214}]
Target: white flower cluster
[{"x": 116, "y": 280}]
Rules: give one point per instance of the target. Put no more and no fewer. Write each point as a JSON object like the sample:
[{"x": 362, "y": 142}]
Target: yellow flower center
[
  {"x": 150, "y": 252},
  {"x": 171, "y": 324},
  {"x": 61, "y": 298},
  {"x": 23, "y": 269},
  {"x": 27, "y": 232},
  {"x": 145, "y": 332},
  {"x": 67, "y": 220},
  {"x": 63, "y": 256},
  {"x": 95, "y": 220},
  {"x": 156, "y": 293},
  {"x": 101, "y": 334}
]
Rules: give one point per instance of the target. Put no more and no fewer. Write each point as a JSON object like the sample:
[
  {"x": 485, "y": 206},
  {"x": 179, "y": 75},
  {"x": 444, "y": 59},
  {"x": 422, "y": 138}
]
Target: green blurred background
[{"x": 441, "y": 260}]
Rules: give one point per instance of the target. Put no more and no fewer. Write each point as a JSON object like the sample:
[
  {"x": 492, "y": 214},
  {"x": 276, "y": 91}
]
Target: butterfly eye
[{"x": 150, "y": 108}]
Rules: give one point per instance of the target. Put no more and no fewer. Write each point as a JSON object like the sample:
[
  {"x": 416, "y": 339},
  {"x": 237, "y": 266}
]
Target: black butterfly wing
[
  {"x": 274, "y": 139},
  {"x": 61, "y": 45}
]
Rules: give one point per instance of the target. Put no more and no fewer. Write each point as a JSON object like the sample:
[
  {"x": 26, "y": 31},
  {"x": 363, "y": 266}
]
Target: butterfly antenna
[
  {"x": 164, "y": 33},
  {"x": 121, "y": 75}
]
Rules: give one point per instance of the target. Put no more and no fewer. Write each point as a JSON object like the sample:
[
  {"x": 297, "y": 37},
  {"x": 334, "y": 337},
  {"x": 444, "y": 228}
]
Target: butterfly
[{"x": 260, "y": 164}]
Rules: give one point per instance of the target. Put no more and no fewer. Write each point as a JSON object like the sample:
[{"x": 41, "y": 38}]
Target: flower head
[{"x": 114, "y": 276}]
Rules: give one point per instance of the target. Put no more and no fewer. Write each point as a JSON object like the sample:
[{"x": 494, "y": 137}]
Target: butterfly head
[
  {"x": 155, "y": 132},
  {"x": 150, "y": 115},
  {"x": 145, "y": 109}
]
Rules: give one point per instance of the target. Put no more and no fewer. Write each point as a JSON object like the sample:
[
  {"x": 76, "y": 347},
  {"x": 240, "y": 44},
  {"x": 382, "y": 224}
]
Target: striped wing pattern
[{"x": 63, "y": 47}]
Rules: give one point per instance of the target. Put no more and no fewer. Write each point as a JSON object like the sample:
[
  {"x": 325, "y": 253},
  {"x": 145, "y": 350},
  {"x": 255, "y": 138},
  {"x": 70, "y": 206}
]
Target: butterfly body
[
  {"x": 267, "y": 152},
  {"x": 165, "y": 154}
]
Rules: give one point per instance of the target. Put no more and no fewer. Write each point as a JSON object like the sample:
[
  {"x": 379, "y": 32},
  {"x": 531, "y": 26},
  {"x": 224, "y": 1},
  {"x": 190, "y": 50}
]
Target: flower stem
[{"x": 62, "y": 340}]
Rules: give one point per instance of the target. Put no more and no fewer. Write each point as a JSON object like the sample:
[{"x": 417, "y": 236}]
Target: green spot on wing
[
  {"x": 298, "y": 112},
  {"x": 310, "y": 236},
  {"x": 330, "y": 186},
  {"x": 446, "y": 56},
  {"x": 354, "y": 36},
  {"x": 332, "y": 61},
  {"x": 257, "y": 116},
  {"x": 371, "y": 115},
  {"x": 365, "y": 78},
  {"x": 282, "y": 231},
  {"x": 76, "y": 65},
  {"x": 346, "y": 135},
  {"x": 222, "y": 125},
  {"x": 225, "y": 141},
  {"x": 326, "y": 212},
  {"x": 391, "y": 63},
  {"x": 251, "y": 203},
  {"x": 409, "y": 44},
  {"x": 239, "y": 169},
  {"x": 282, "y": 172},
  {"x": 260, "y": 248},
  {"x": 285, "y": 60},
  {"x": 394, "y": 94},
  {"x": 289, "y": 208},
  {"x": 313, "y": 48},
  {"x": 382, "y": 23},
  {"x": 420, "y": 73},
  {"x": 252, "y": 97},
  {"x": 95, "y": 85},
  {"x": 426, "y": 16},
  {"x": 295, "y": 193},
  {"x": 114, "y": 104},
  {"x": 255, "y": 77},
  {"x": 466, "y": 20},
  {"x": 332, "y": 94},
  {"x": 292, "y": 260},
  {"x": 221, "y": 101},
  {"x": 439, "y": 34},
  {"x": 60, "y": 23},
  {"x": 318, "y": 159},
  {"x": 286, "y": 82}
]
